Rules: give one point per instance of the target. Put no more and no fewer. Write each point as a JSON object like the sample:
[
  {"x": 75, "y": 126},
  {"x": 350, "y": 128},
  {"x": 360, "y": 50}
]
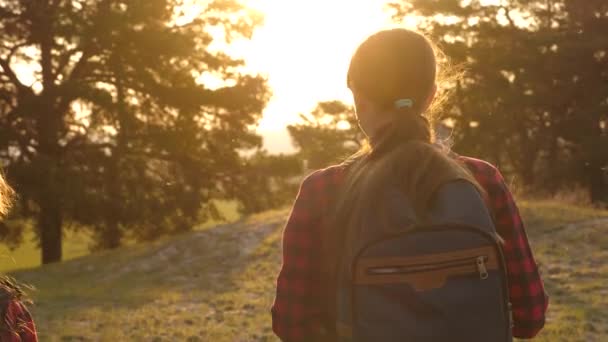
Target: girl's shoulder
[
  {"x": 477, "y": 165},
  {"x": 490, "y": 179},
  {"x": 483, "y": 171},
  {"x": 328, "y": 176}
]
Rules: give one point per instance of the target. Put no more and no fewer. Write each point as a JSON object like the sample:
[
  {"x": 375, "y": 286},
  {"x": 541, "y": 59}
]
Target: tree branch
[
  {"x": 549, "y": 13},
  {"x": 14, "y": 49},
  {"x": 508, "y": 15},
  {"x": 65, "y": 59},
  {"x": 103, "y": 6},
  {"x": 80, "y": 65},
  {"x": 80, "y": 143}
]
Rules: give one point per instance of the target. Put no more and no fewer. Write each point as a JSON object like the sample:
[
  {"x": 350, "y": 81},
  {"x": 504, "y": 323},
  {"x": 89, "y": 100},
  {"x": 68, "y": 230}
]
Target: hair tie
[{"x": 404, "y": 103}]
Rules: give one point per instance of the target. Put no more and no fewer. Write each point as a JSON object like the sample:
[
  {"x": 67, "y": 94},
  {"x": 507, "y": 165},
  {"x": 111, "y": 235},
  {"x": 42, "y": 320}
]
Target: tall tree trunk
[
  {"x": 49, "y": 225},
  {"x": 49, "y": 123},
  {"x": 111, "y": 234},
  {"x": 50, "y": 194}
]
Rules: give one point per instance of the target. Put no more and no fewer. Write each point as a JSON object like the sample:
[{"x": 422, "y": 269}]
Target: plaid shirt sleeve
[
  {"x": 526, "y": 291},
  {"x": 19, "y": 324},
  {"x": 298, "y": 310}
]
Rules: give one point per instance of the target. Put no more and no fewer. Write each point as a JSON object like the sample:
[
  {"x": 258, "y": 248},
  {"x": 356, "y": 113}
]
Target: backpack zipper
[
  {"x": 479, "y": 263},
  {"x": 481, "y": 267}
]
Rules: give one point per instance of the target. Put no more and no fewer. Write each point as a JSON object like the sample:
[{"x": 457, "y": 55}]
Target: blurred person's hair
[
  {"x": 7, "y": 195},
  {"x": 10, "y": 289}
]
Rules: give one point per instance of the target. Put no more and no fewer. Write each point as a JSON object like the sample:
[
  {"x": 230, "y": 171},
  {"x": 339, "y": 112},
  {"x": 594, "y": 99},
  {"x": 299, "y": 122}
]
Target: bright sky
[{"x": 304, "y": 48}]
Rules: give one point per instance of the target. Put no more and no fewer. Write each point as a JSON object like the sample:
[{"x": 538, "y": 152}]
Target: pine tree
[{"x": 115, "y": 131}]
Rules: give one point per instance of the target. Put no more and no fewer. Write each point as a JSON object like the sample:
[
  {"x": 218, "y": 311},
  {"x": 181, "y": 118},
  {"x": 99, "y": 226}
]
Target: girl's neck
[{"x": 379, "y": 133}]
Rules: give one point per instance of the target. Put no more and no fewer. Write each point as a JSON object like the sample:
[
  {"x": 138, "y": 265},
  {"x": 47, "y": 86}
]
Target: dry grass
[
  {"x": 218, "y": 284},
  {"x": 571, "y": 246}
]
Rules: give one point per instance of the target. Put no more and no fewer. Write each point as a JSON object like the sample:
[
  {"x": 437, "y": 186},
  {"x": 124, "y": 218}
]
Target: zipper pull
[{"x": 481, "y": 267}]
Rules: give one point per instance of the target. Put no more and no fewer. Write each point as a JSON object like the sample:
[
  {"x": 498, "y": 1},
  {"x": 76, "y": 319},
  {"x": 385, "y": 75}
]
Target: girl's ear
[
  {"x": 431, "y": 97},
  {"x": 363, "y": 111},
  {"x": 361, "y": 104}
]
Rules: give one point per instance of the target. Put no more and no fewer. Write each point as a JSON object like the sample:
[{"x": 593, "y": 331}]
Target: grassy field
[
  {"x": 217, "y": 284},
  {"x": 27, "y": 255},
  {"x": 76, "y": 244}
]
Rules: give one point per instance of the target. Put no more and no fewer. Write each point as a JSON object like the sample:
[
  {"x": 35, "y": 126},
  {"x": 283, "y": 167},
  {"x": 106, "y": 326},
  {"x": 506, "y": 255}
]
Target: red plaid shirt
[
  {"x": 18, "y": 325},
  {"x": 298, "y": 310}
]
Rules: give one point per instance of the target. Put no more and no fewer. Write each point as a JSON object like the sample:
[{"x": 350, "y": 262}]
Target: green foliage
[
  {"x": 270, "y": 181},
  {"x": 534, "y": 95},
  {"x": 327, "y": 135},
  {"x": 11, "y": 232},
  {"x": 117, "y": 133}
]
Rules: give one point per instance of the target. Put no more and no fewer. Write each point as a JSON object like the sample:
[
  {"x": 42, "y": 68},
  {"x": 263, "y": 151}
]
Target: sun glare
[{"x": 304, "y": 48}]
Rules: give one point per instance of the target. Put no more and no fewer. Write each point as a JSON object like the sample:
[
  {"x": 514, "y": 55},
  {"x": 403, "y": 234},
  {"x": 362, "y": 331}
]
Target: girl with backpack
[{"x": 393, "y": 78}]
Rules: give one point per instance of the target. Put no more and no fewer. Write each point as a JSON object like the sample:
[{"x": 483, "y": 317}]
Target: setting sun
[{"x": 304, "y": 49}]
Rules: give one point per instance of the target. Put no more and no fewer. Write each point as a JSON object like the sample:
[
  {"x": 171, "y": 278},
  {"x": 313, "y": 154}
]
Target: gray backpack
[{"x": 443, "y": 279}]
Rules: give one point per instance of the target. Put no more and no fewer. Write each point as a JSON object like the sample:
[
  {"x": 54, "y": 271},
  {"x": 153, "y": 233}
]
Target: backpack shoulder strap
[{"x": 460, "y": 202}]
